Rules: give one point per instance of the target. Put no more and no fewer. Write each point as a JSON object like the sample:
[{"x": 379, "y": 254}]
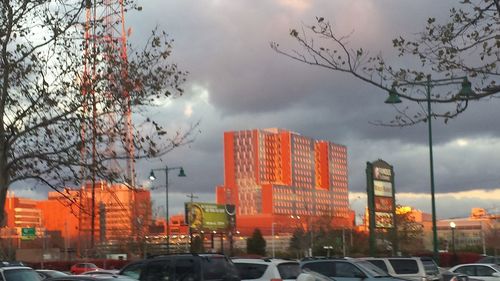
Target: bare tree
[
  {"x": 468, "y": 43},
  {"x": 43, "y": 105}
]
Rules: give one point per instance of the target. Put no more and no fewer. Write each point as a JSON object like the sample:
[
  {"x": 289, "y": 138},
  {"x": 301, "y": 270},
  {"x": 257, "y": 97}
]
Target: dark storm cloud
[{"x": 237, "y": 82}]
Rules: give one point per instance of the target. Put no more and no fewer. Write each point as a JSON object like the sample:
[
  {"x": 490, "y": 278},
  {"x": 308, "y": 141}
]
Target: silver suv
[
  {"x": 18, "y": 273},
  {"x": 410, "y": 268}
]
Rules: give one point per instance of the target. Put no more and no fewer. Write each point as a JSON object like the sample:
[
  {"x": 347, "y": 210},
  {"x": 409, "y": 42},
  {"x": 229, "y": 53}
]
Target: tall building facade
[{"x": 279, "y": 180}]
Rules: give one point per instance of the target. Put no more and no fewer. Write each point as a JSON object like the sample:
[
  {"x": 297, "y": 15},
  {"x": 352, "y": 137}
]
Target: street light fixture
[
  {"x": 153, "y": 177},
  {"x": 465, "y": 93},
  {"x": 328, "y": 248}
]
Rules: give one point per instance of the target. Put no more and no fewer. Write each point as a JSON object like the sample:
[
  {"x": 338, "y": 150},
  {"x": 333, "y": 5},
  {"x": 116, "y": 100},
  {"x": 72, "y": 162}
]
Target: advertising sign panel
[
  {"x": 384, "y": 220},
  {"x": 28, "y": 233},
  {"x": 383, "y": 204},
  {"x": 380, "y": 173},
  {"x": 382, "y": 188},
  {"x": 210, "y": 216}
]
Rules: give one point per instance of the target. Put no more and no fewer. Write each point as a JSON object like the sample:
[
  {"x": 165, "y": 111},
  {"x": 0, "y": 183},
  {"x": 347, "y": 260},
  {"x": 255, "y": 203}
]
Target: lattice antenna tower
[{"x": 105, "y": 95}]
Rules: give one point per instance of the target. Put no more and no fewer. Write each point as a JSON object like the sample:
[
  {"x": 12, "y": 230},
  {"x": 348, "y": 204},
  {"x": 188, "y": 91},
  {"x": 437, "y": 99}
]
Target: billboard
[
  {"x": 382, "y": 188},
  {"x": 383, "y": 204},
  {"x": 210, "y": 216},
  {"x": 384, "y": 220}
]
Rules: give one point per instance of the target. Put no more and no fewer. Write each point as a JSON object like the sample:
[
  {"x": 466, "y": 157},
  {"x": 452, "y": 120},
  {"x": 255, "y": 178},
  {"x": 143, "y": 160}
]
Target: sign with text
[
  {"x": 382, "y": 188},
  {"x": 384, "y": 220},
  {"x": 28, "y": 233},
  {"x": 382, "y": 174},
  {"x": 210, "y": 216},
  {"x": 383, "y": 204}
]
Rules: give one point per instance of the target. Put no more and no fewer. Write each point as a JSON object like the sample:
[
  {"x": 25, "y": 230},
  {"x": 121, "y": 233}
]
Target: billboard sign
[
  {"x": 210, "y": 216},
  {"x": 380, "y": 173},
  {"x": 382, "y": 188},
  {"x": 384, "y": 220},
  {"x": 28, "y": 233},
  {"x": 383, "y": 204}
]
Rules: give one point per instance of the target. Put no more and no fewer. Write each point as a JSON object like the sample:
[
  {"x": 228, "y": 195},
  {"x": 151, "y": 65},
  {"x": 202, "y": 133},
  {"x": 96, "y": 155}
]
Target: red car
[{"x": 80, "y": 268}]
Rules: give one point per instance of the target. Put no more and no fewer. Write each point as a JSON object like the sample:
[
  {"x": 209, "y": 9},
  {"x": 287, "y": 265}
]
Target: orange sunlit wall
[{"x": 285, "y": 177}]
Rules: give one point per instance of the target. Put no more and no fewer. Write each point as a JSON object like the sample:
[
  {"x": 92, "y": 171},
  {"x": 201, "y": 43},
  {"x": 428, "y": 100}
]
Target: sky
[{"x": 237, "y": 82}]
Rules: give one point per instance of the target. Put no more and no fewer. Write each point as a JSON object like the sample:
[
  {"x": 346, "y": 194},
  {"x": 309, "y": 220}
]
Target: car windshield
[
  {"x": 21, "y": 274},
  {"x": 372, "y": 269},
  {"x": 496, "y": 267}
]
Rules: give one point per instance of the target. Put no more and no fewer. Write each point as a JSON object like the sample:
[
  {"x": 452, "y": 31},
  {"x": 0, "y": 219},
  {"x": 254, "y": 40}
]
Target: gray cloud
[{"x": 237, "y": 82}]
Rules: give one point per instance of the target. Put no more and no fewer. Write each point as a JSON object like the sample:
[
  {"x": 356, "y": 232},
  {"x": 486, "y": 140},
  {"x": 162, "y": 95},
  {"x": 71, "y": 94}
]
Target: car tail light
[{"x": 276, "y": 279}]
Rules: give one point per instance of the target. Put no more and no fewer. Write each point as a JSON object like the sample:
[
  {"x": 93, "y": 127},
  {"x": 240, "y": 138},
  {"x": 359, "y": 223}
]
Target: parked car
[
  {"x": 91, "y": 278},
  {"x": 483, "y": 271},
  {"x": 101, "y": 272},
  {"x": 490, "y": 259},
  {"x": 80, "y": 268},
  {"x": 267, "y": 269},
  {"x": 410, "y": 268},
  {"x": 347, "y": 270},
  {"x": 183, "y": 267},
  {"x": 18, "y": 273},
  {"x": 312, "y": 276},
  {"x": 47, "y": 273},
  {"x": 452, "y": 276}
]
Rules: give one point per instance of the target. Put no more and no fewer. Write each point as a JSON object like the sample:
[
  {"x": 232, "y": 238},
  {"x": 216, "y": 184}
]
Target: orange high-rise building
[{"x": 280, "y": 180}]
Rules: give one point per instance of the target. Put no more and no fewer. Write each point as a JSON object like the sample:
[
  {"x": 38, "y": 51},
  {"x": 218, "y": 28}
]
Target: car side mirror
[{"x": 496, "y": 274}]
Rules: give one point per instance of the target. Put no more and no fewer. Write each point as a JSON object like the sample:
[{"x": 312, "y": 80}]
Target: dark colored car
[
  {"x": 183, "y": 267},
  {"x": 91, "y": 278},
  {"x": 80, "y": 268}
]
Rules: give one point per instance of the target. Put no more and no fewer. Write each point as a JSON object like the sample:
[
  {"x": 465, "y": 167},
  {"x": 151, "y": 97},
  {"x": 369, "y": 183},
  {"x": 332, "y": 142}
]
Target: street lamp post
[
  {"x": 328, "y": 248},
  {"x": 465, "y": 93},
  {"x": 453, "y": 226},
  {"x": 272, "y": 239},
  {"x": 153, "y": 177}
]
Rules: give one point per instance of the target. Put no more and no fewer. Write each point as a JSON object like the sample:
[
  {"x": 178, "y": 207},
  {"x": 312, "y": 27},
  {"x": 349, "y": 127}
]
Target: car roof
[
  {"x": 14, "y": 267},
  {"x": 487, "y": 264},
  {"x": 262, "y": 261}
]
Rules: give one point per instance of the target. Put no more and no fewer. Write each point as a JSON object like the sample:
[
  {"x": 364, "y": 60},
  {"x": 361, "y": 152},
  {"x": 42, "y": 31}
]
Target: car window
[
  {"x": 217, "y": 268},
  {"x": 325, "y": 268},
  {"x": 344, "y": 269},
  {"x": 132, "y": 270},
  {"x": 484, "y": 270},
  {"x": 404, "y": 266},
  {"x": 372, "y": 269},
  {"x": 160, "y": 270},
  {"x": 288, "y": 270},
  {"x": 186, "y": 269},
  {"x": 250, "y": 270},
  {"x": 380, "y": 264},
  {"x": 467, "y": 270},
  {"x": 21, "y": 274},
  {"x": 430, "y": 267}
]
